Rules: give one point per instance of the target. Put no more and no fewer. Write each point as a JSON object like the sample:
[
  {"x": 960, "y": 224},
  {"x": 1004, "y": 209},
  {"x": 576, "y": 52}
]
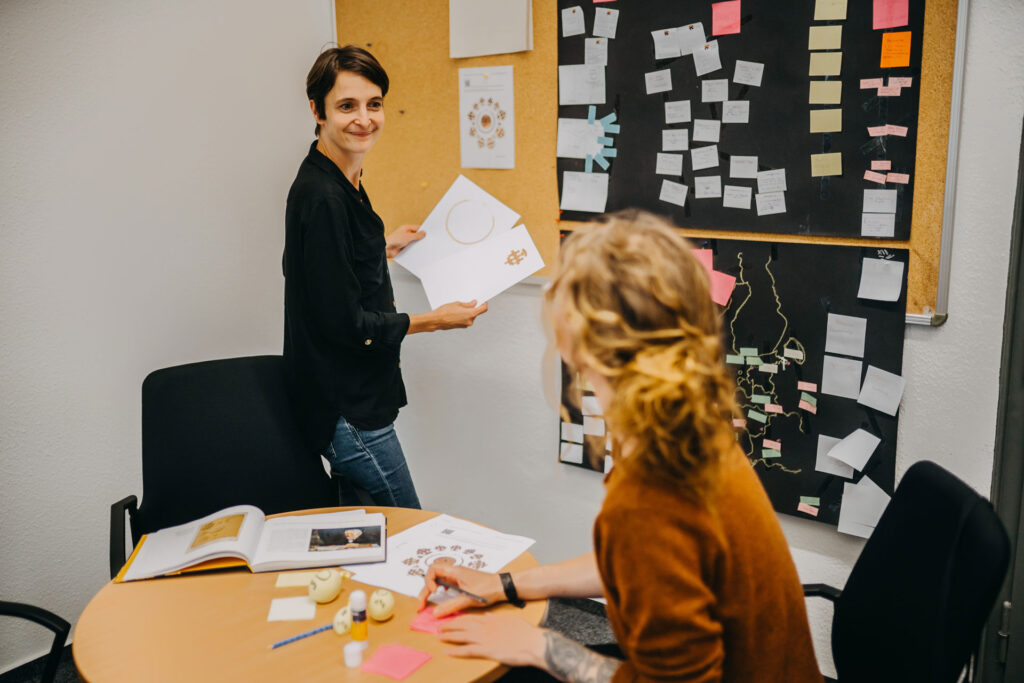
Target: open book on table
[{"x": 243, "y": 534}]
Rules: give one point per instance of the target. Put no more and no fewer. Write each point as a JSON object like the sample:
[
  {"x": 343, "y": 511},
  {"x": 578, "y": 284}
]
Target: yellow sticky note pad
[
  {"x": 826, "y": 164},
  {"x": 826, "y": 38},
  {"x": 826, "y": 92},
  {"x": 829, "y": 10},
  {"x": 826, "y": 120},
  {"x": 895, "y": 49},
  {"x": 826, "y": 63}
]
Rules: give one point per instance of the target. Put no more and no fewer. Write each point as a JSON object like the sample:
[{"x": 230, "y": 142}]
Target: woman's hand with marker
[{"x": 477, "y": 583}]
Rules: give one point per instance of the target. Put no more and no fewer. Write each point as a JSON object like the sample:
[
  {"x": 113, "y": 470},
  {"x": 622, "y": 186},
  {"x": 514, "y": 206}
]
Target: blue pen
[{"x": 301, "y": 636}]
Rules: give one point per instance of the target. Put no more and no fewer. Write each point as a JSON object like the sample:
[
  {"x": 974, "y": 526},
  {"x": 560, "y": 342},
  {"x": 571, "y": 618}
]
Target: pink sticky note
[
  {"x": 866, "y": 83},
  {"x": 774, "y": 445},
  {"x": 725, "y": 18},
  {"x": 809, "y": 509},
  {"x": 426, "y": 622},
  {"x": 736, "y": 422},
  {"x": 705, "y": 256},
  {"x": 804, "y": 405},
  {"x": 772, "y": 408},
  {"x": 597, "y": 1},
  {"x": 882, "y": 165},
  {"x": 874, "y": 177},
  {"x": 890, "y": 14},
  {"x": 721, "y": 287},
  {"x": 900, "y": 81},
  {"x": 889, "y": 91},
  {"x": 901, "y": 131},
  {"x": 901, "y": 178},
  {"x": 806, "y": 386},
  {"x": 395, "y": 661},
  {"x": 877, "y": 131}
]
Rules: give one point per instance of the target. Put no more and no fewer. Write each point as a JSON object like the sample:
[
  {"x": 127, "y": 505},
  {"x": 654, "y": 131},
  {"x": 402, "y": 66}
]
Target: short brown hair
[{"x": 333, "y": 60}]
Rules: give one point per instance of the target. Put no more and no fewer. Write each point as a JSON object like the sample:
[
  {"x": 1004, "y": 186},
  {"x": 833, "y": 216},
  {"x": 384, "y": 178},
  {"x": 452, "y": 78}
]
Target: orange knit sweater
[{"x": 701, "y": 593}]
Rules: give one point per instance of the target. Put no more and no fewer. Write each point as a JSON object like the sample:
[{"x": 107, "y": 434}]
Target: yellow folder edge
[{"x": 216, "y": 563}]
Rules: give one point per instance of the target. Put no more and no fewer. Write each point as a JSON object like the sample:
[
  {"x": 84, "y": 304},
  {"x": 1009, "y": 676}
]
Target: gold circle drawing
[{"x": 461, "y": 229}]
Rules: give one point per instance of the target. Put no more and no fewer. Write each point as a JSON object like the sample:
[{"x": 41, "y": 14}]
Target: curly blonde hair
[{"x": 634, "y": 305}]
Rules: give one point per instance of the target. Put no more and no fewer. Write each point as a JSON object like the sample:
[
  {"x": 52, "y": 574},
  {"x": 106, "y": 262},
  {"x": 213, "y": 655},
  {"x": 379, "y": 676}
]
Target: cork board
[{"x": 417, "y": 157}]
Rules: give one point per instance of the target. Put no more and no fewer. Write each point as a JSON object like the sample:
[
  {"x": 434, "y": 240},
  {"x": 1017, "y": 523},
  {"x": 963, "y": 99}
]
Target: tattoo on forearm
[{"x": 569, "y": 661}]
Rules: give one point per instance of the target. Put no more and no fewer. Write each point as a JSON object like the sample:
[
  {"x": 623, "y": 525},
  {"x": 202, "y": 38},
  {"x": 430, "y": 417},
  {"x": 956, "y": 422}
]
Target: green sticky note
[
  {"x": 754, "y": 415},
  {"x": 804, "y": 396},
  {"x": 770, "y": 453},
  {"x": 748, "y": 351},
  {"x": 753, "y": 360},
  {"x": 735, "y": 360},
  {"x": 760, "y": 398},
  {"x": 811, "y": 500}
]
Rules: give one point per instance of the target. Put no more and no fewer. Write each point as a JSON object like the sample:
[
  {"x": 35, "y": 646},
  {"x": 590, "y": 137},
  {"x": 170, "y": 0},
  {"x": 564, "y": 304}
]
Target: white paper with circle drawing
[
  {"x": 466, "y": 216},
  {"x": 487, "y": 130}
]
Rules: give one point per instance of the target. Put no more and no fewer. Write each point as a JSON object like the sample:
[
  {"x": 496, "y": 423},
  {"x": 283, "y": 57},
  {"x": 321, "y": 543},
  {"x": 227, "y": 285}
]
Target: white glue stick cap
[
  {"x": 353, "y": 654},
  {"x": 357, "y": 601}
]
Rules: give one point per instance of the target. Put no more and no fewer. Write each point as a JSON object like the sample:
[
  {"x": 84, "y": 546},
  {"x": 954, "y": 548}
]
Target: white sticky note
[
  {"x": 666, "y": 43},
  {"x": 578, "y": 139},
  {"x": 673, "y": 193},
  {"x": 605, "y": 22},
  {"x": 589, "y": 405},
  {"x": 736, "y": 197},
  {"x": 609, "y": 463},
  {"x": 742, "y": 167},
  {"x": 829, "y": 10},
  {"x": 795, "y": 354},
  {"x": 736, "y": 111},
  {"x": 825, "y": 92},
  {"x": 825, "y": 37},
  {"x": 581, "y": 84},
  {"x": 294, "y": 579},
  {"x": 572, "y": 432},
  {"x": 572, "y": 453},
  {"x": 862, "y": 506},
  {"x": 878, "y": 224},
  {"x": 748, "y": 73},
  {"x": 690, "y": 37},
  {"x": 771, "y": 181},
  {"x": 292, "y": 609},
  {"x": 584, "y": 191},
  {"x": 841, "y": 377},
  {"x": 704, "y": 157},
  {"x": 714, "y": 90},
  {"x": 769, "y": 203},
  {"x": 593, "y": 426},
  {"x": 595, "y": 51},
  {"x": 823, "y": 463},
  {"x": 707, "y": 187},
  {"x": 881, "y": 279},
  {"x": 856, "y": 449},
  {"x": 677, "y": 112},
  {"x": 669, "y": 164},
  {"x": 879, "y": 201},
  {"x": 706, "y": 58},
  {"x": 658, "y": 81},
  {"x": 706, "y": 130},
  {"x": 882, "y": 390},
  {"x": 572, "y": 22},
  {"x": 675, "y": 140},
  {"x": 825, "y": 64},
  {"x": 845, "y": 335}
]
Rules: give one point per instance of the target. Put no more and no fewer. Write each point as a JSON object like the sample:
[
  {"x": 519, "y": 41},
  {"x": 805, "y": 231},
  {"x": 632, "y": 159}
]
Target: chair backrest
[
  {"x": 221, "y": 433},
  {"x": 924, "y": 585}
]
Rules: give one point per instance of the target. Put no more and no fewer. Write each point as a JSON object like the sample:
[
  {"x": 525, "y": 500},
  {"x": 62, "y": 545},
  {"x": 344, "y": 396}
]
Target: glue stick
[{"x": 357, "y": 604}]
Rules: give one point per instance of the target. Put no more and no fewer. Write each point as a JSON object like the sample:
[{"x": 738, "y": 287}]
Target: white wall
[{"x": 147, "y": 149}]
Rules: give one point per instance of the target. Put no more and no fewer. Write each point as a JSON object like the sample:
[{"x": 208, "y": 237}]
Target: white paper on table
[
  {"x": 736, "y": 196},
  {"x": 881, "y": 280},
  {"x": 736, "y": 111},
  {"x": 595, "y": 51},
  {"x": 706, "y": 130},
  {"x": 879, "y": 201},
  {"x": 666, "y": 44},
  {"x": 572, "y": 432},
  {"x": 571, "y": 452},
  {"x": 704, "y": 157},
  {"x": 748, "y": 73},
  {"x": 669, "y": 164},
  {"x": 584, "y": 191},
  {"x": 658, "y": 81},
  {"x": 295, "y": 579},
  {"x": 878, "y": 224},
  {"x": 487, "y": 116},
  {"x": 845, "y": 334},
  {"x": 605, "y": 22},
  {"x": 841, "y": 377},
  {"x": 743, "y": 167},
  {"x": 483, "y": 271},
  {"x": 706, "y": 58},
  {"x": 856, "y": 449},
  {"x": 882, "y": 390},
  {"x": 677, "y": 112},
  {"x": 675, "y": 140},
  {"x": 771, "y": 181},
  {"x": 443, "y": 537},
  {"x": 465, "y": 216},
  {"x": 577, "y": 139},
  {"x": 769, "y": 203},
  {"x": 714, "y": 90},
  {"x": 300, "y": 608},
  {"x": 690, "y": 38},
  {"x": 573, "y": 23},
  {"x": 581, "y": 84},
  {"x": 826, "y": 464},
  {"x": 673, "y": 192},
  {"x": 593, "y": 426},
  {"x": 707, "y": 187},
  {"x": 862, "y": 506},
  {"x": 489, "y": 27}
]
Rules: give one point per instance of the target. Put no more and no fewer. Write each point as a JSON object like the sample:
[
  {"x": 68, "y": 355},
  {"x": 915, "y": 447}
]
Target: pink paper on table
[
  {"x": 866, "y": 83},
  {"x": 900, "y": 81},
  {"x": 426, "y": 622},
  {"x": 876, "y": 131},
  {"x": 882, "y": 165},
  {"x": 772, "y": 408},
  {"x": 890, "y": 14},
  {"x": 774, "y": 445},
  {"x": 725, "y": 18},
  {"x": 804, "y": 405},
  {"x": 705, "y": 256},
  {"x": 901, "y": 131},
  {"x": 395, "y": 661},
  {"x": 889, "y": 91},
  {"x": 809, "y": 509},
  {"x": 806, "y": 386},
  {"x": 901, "y": 178},
  {"x": 875, "y": 177},
  {"x": 721, "y": 287}
]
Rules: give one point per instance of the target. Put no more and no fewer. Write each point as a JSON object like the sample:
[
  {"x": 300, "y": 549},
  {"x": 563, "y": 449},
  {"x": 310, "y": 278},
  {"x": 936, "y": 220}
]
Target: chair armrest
[
  {"x": 117, "y": 511},
  {"x": 43, "y": 617},
  {"x": 821, "y": 590}
]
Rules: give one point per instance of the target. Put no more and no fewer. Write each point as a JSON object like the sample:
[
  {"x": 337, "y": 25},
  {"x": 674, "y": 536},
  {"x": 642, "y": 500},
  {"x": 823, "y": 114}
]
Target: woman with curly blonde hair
[{"x": 688, "y": 552}]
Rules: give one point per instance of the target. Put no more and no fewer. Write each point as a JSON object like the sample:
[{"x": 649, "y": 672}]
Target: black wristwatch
[{"x": 510, "y": 590}]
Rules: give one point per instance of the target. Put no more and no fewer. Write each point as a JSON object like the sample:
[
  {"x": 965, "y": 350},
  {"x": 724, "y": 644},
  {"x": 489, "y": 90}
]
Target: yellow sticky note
[
  {"x": 826, "y": 164},
  {"x": 826, "y": 38},
  {"x": 826, "y": 120},
  {"x": 896, "y": 49},
  {"x": 826, "y": 63},
  {"x": 829, "y": 10},
  {"x": 826, "y": 92}
]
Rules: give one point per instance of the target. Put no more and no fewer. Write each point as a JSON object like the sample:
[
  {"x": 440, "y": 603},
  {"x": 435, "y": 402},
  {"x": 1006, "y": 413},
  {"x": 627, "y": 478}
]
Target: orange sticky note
[
  {"x": 895, "y": 49},
  {"x": 889, "y": 14},
  {"x": 725, "y": 18}
]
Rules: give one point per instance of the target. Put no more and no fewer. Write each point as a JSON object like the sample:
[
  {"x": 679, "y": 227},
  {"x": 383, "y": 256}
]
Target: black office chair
[
  {"x": 45, "y": 618},
  {"x": 924, "y": 585},
  {"x": 216, "y": 434}
]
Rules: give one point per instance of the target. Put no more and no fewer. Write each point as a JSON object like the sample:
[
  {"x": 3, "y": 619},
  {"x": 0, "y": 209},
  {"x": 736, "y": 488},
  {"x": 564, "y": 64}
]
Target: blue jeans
[{"x": 374, "y": 461}]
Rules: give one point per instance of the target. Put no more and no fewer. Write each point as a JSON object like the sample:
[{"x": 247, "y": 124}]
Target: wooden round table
[{"x": 213, "y": 627}]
